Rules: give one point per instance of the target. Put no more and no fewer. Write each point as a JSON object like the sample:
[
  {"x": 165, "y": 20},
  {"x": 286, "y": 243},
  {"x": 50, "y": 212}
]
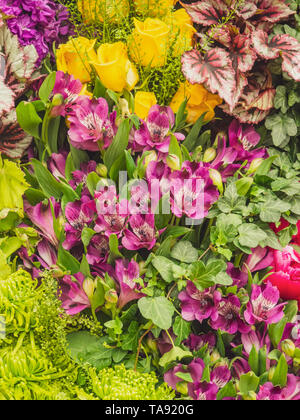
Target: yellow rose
[
  {"x": 143, "y": 102},
  {"x": 73, "y": 57},
  {"x": 149, "y": 42},
  {"x": 100, "y": 10},
  {"x": 182, "y": 31},
  {"x": 114, "y": 68},
  {"x": 199, "y": 101},
  {"x": 154, "y": 8}
]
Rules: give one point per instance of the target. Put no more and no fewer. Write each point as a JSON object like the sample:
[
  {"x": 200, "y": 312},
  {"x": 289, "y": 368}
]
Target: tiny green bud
[
  {"x": 57, "y": 100},
  {"x": 89, "y": 287},
  {"x": 101, "y": 170},
  {"x": 111, "y": 296},
  {"x": 288, "y": 347},
  {"x": 209, "y": 154},
  {"x": 255, "y": 164},
  {"x": 173, "y": 162},
  {"x": 215, "y": 356},
  {"x": 216, "y": 178},
  {"x": 271, "y": 373},
  {"x": 219, "y": 137},
  {"x": 250, "y": 397}
]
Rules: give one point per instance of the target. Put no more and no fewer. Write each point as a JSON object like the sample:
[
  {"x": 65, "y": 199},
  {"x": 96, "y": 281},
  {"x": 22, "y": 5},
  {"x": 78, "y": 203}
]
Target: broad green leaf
[
  {"x": 250, "y": 235},
  {"x": 175, "y": 354},
  {"x": 158, "y": 309},
  {"x": 29, "y": 119},
  {"x": 47, "y": 87},
  {"x": 184, "y": 252},
  {"x": 181, "y": 329},
  {"x": 280, "y": 375},
  {"x": 119, "y": 144},
  {"x": 168, "y": 270},
  {"x": 248, "y": 382}
]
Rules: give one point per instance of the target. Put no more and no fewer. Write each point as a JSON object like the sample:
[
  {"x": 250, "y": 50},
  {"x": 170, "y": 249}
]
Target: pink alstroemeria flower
[
  {"x": 41, "y": 216},
  {"x": 69, "y": 88},
  {"x": 195, "y": 369},
  {"x": 142, "y": 233},
  {"x": 263, "y": 307},
  {"x": 91, "y": 124},
  {"x": 229, "y": 318},
  {"x": 126, "y": 274},
  {"x": 73, "y": 297}
]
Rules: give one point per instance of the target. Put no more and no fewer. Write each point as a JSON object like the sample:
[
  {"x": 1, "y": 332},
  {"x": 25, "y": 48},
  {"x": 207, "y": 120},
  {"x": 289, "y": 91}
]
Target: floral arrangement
[{"x": 150, "y": 200}]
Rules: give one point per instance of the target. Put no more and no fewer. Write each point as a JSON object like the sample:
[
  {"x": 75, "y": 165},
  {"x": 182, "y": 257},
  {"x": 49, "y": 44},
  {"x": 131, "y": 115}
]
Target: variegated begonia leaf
[
  {"x": 257, "y": 98},
  {"x": 270, "y": 10},
  {"x": 279, "y": 45},
  {"x": 13, "y": 140},
  {"x": 17, "y": 72},
  {"x": 207, "y": 12},
  {"x": 214, "y": 69}
]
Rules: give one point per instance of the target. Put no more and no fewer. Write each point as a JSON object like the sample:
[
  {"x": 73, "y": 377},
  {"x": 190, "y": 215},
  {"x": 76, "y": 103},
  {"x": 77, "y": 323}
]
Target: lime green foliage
[
  {"x": 12, "y": 187},
  {"x": 163, "y": 81},
  {"x": 122, "y": 384}
]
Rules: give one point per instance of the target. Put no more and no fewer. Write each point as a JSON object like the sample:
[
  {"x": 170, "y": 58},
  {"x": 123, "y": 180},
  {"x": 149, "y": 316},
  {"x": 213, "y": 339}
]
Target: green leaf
[
  {"x": 291, "y": 310},
  {"x": 250, "y": 235},
  {"x": 28, "y": 118},
  {"x": 185, "y": 376},
  {"x": 168, "y": 270},
  {"x": 131, "y": 338},
  {"x": 281, "y": 100},
  {"x": 184, "y": 252},
  {"x": 175, "y": 149},
  {"x": 228, "y": 391},
  {"x": 254, "y": 360},
  {"x": 182, "y": 329},
  {"x": 12, "y": 187},
  {"x": 86, "y": 235},
  {"x": 92, "y": 181},
  {"x": 119, "y": 144},
  {"x": 175, "y": 354},
  {"x": 272, "y": 210},
  {"x": 50, "y": 186},
  {"x": 280, "y": 375},
  {"x": 158, "y": 309},
  {"x": 193, "y": 135},
  {"x": 67, "y": 261},
  {"x": 181, "y": 115},
  {"x": 47, "y": 87},
  {"x": 276, "y": 331},
  {"x": 248, "y": 382}
]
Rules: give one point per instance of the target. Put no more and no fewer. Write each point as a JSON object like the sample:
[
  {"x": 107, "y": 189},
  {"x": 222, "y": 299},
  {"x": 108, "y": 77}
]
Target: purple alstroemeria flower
[
  {"x": 154, "y": 133},
  {"x": 126, "y": 274},
  {"x": 220, "y": 376},
  {"x": 239, "y": 278},
  {"x": 196, "y": 342},
  {"x": 229, "y": 318},
  {"x": 73, "y": 297},
  {"x": 69, "y": 88},
  {"x": 164, "y": 343},
  {"x": 41, "y": 216},
  {"x": 241, "y": 367},
  {"x": 195, "y": 369},
  {"x": 78, "y": 214},
  {"x": 274, "y": 393},
  {"x": 46, "y": 256},
  {"x": 57, "y": 164},
  {"x": 260, "y": 259},
  {"x": 91, "y": 124},
  {"x": 203, "y": 391},
  {"x": 142, "y": 233},
  {"x": 97, "y": 250},
  {"x": 199, "y": 305},
  {"x": 263, "y": 305},
  {"x": 80, "y": 175},
  {"x": 115, "y": 223},
  {"x": 192, "y": 190},
  {"x": 254, "y": 338}
]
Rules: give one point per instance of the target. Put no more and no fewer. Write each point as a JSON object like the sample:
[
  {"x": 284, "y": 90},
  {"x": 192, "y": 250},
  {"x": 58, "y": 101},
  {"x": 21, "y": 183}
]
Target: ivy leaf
[
  {"x": 131, "y": 338},
  {"x": 182, "y": 329},
  {"x": 250, "y": 235},
  {"x": 272, "y": 210},
  {"x": 281, "y": 100},
  {"x": 175, "y": 354},
  {"x": 282, "y": 126},
  {"x": 168, "y": 270},
  {"x": 185, "y": 252},
  {"x": 158, "y": 309}
]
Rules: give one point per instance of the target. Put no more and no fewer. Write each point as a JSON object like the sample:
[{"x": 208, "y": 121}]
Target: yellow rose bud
[
  {"x": 182, "y": 31},
  {"x": 73, "y": 58},
  {"x": 200, "y": 101},
  {"x": 216, "y": 178},
  {"x": 89, "y": 287},
  {"x": 100, "y": 10},
  {"x": 143, "y": 102},
  {"x": 154, "y": 8},
  {"x": 209, "y": 154},
  {"x": 149, "y": 42},
  {"x": 114, "y": 68}
]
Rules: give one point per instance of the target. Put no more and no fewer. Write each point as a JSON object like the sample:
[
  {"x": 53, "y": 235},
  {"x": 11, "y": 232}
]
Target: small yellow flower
[
  {"x": 100, "y": 10},
  {"x": 73, "y": 58},
  {"x": 154, "y": 8},
  {"x": 143, "y": 102},
  {"x": 199, "y": 101},
  {"x": 149, "y": 42},
  {"x": 114, "y": 68}
]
